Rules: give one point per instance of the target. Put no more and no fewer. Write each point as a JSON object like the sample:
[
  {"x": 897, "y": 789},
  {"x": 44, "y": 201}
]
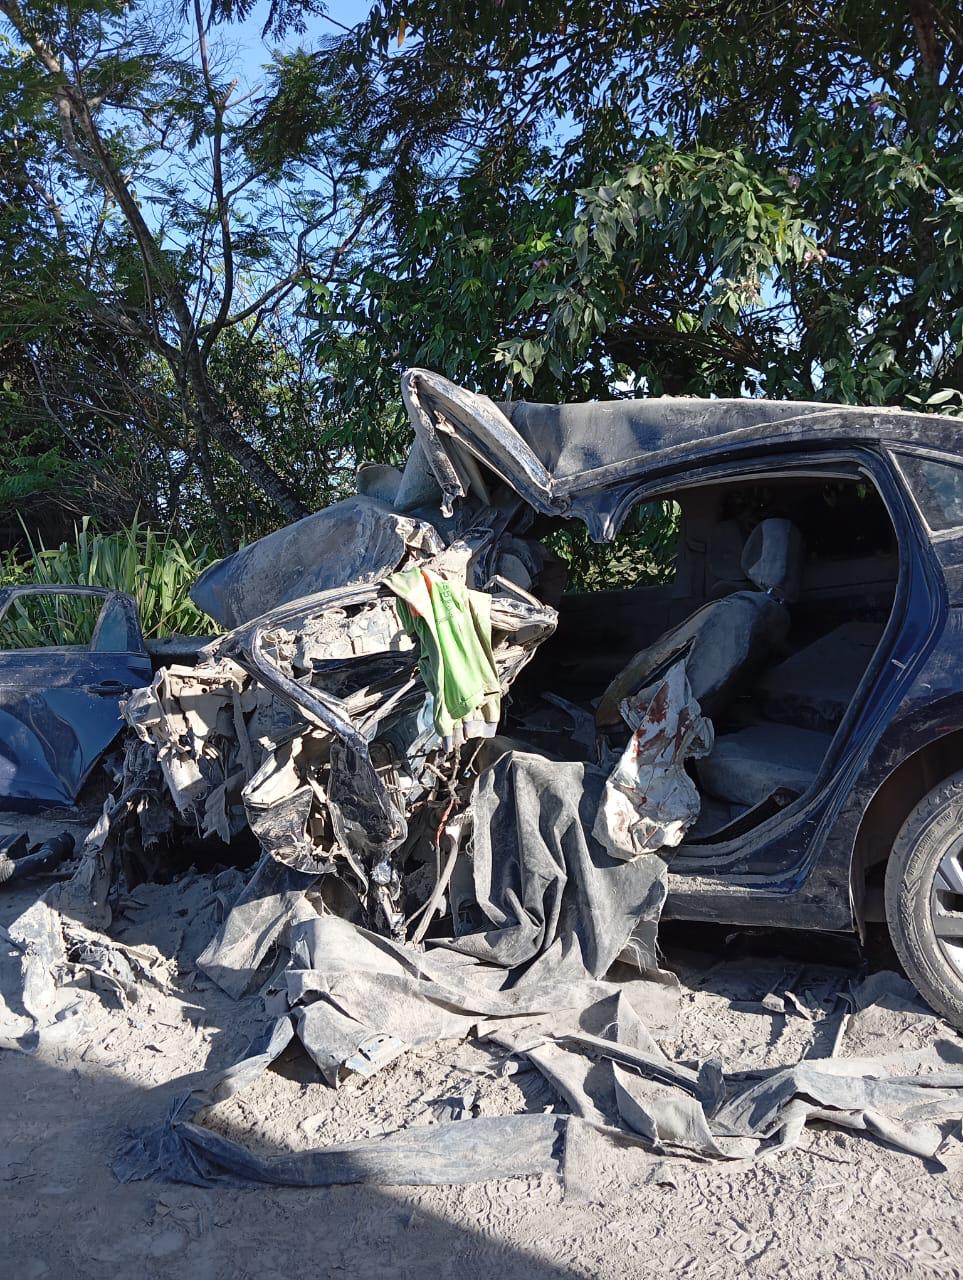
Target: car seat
[{"x": 725, "y": 641}]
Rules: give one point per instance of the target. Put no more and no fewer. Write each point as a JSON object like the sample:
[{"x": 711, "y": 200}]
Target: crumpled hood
[{"x": 357, "y": 541}]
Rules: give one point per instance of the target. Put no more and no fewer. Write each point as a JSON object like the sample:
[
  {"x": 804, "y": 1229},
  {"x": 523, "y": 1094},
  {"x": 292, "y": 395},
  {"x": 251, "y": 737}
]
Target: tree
[
  {"x": 170, "y": 232},
  {"x": 714, "y": 198},
  {"x": 208, "y": 294}
]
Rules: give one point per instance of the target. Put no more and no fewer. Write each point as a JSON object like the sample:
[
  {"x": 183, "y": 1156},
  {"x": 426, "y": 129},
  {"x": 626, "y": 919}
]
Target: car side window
[
  {"x": 44, "y": 619},
  {"x": 938, "y": 488},
  {"x": 40, "y": 617}
]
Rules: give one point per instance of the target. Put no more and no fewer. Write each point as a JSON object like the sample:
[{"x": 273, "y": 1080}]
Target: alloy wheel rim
[{"x": 946, "y": 905}]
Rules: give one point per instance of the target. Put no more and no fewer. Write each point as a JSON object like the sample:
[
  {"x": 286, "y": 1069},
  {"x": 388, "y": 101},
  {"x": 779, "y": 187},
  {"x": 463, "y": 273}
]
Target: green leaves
[
  {"x": 947, "y": 400},
  {"x": 763, "y": 202},
  {"x": 156, "y": 568},
  {"x": 642, "y": 553},
  {"x": 27, "y": 476},
  {"x": 148, "y": 213},
  {"x": 700, "y": 215},
  {"x": 629, "y": 200}
]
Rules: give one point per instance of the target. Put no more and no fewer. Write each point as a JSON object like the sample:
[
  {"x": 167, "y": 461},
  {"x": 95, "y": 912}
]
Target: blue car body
[{"x": 816, "y": 864}]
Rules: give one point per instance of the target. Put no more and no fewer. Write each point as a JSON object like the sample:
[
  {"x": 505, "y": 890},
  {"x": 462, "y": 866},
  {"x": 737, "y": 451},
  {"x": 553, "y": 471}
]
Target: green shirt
[{"x": 453, "y": 627}]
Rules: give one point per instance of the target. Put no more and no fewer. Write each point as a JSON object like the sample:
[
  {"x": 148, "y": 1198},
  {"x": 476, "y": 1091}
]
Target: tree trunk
[
  {"x": 260, "y": 471},
  {"x": 205, "y": 467},
  {"x": 214, "y": 424},
  {"x": 76, "y": 116}
]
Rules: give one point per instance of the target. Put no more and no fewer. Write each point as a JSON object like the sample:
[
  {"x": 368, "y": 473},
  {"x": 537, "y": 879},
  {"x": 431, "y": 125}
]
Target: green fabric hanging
[{"x": 454, "y": 630}]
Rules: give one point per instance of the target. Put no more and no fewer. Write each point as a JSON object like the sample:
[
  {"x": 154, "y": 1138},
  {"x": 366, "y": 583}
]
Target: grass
[{"x": 156, "y": 568}]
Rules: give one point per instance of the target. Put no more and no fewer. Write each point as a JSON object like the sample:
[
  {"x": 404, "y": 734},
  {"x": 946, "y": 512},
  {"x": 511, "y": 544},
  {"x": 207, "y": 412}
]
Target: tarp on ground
[{"x": 560, "y": 911}]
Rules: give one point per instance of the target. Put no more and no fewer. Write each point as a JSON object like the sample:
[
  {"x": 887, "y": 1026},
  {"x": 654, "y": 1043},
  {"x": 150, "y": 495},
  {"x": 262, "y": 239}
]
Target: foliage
[
  {"x": 636, "y": 199},
  {"x": 208, "y": 289},
  {"x": 28, "y": 475},
  {"x": 156, "y": 568},
  {"x": 643, "y": 552},
  {"x": 144, "y": 237}
]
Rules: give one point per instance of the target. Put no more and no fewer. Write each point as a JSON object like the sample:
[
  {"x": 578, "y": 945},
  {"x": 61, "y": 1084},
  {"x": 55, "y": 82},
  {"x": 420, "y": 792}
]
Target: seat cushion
[{"x": 746, "y": 767}]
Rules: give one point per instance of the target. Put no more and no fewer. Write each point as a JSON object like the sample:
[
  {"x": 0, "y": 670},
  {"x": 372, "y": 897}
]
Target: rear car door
[{"x": 60, "y": 704}]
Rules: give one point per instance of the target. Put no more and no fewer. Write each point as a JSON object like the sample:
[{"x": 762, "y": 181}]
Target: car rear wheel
[{"x": 924, "y": 898}]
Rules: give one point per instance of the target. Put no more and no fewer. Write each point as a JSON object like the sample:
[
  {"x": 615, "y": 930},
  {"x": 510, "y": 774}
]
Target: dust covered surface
[{"x": 841, "y": 1203}]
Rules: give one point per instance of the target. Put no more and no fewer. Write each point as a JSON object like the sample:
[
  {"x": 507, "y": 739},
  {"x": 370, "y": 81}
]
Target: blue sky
[{"x": 253, "y": 53}]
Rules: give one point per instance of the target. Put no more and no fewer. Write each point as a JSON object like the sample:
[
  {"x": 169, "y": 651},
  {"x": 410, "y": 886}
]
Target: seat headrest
[
  {"x": 378, "y": 480},
  {"x": 773, "y": 556}
]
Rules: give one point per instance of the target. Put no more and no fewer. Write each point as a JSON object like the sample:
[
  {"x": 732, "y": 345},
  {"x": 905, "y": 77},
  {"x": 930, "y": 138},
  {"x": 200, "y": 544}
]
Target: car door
[{"x": 60, "y": 704}]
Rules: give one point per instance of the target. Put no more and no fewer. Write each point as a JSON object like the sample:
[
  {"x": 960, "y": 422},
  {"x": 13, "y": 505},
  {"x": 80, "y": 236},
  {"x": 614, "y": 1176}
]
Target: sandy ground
[{"x": 842, "y": 1204}]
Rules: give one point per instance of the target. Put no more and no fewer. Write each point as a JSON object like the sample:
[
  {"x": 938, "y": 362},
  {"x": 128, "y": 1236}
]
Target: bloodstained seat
[{"x": 727, "y": 640}]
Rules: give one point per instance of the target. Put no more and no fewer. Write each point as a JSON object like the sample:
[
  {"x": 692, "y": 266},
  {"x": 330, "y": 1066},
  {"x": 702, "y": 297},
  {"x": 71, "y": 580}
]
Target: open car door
[{"x": 59, "y": 704}]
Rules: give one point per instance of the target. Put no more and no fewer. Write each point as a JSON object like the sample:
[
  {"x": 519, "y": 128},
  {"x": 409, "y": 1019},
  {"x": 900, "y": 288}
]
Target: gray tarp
[
  {"x": 544, "y": 887},
  {"x": 535, "y": 886},
  {"x": 530, "y": 976},
  {"x": 358, "y": 1000},
  {"x": 183, "y": 1151}
]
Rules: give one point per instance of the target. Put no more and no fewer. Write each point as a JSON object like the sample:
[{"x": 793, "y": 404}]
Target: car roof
[
  {"x": 573, "y": 439},
  {"x": 581, "y": 455}
]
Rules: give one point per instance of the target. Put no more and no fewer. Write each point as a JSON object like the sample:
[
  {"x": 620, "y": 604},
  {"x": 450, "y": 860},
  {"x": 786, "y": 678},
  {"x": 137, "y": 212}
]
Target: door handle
[{"x": 107, "y": 688}]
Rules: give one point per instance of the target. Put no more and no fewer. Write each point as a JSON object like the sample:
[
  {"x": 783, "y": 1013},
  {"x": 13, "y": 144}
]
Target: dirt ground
[{"x": 841, "y": 1204}]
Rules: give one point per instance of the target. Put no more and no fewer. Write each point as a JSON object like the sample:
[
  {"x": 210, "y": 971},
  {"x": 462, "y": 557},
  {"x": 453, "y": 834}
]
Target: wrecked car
[
  {"x": 405, "y": 691},
  {"x": 473, "y": 794}
]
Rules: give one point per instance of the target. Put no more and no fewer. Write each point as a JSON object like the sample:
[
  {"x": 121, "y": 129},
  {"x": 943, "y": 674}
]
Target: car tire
[{"x": 924, "y": 898}]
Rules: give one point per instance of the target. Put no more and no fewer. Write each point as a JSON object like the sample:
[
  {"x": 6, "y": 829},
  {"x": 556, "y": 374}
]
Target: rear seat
[
  {"x": 813, "y": 688},
  {"x": 803, "y": 700},
  {"x": 745, "y": 768}
]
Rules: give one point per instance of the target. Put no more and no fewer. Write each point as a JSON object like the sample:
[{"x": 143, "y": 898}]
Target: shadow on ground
[{"x": 61, "y": 1212}]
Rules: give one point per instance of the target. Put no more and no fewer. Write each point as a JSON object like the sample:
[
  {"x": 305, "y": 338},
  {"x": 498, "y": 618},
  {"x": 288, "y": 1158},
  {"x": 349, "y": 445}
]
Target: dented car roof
[{"x": 584, "y": 460}]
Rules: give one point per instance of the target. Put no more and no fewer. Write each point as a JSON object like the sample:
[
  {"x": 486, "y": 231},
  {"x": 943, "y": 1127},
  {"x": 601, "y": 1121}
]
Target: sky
[{"x": 253, "y": 53}]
